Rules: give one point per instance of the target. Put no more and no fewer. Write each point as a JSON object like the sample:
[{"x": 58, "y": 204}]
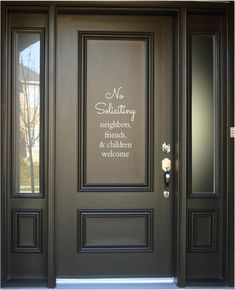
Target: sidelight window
[
  {"x": 27, "y": 104},
  {"x": 203, "y": 112}
]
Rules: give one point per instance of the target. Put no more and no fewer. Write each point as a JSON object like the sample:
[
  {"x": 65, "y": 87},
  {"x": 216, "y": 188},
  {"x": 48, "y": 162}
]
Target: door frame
[{"x": 180, "y": 11}]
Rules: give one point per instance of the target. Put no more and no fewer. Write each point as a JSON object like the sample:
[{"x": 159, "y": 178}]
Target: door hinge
[{"x": 232, "y": 132}]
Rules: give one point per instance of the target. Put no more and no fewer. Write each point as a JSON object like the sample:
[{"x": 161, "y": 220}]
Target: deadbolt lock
[{"x": 166, "y": 147}]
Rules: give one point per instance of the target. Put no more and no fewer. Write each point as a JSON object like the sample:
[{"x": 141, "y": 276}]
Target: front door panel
[{"x": 114, "y": 110}]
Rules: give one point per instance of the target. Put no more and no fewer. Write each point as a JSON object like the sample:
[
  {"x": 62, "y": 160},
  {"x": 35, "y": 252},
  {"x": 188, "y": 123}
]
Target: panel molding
[
  {"x": 83, "y": 215},
  {"x": 83, "y": 185},
  {"x": 193, "y": 230},
  {"x": 19, "y": 246}
]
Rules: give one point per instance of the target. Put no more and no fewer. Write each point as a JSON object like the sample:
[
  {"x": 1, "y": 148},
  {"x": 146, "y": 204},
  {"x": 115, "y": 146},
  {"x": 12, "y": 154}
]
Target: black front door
[
  {"x": 114, "y": 111},
  {"x": 117, "y": 143}
]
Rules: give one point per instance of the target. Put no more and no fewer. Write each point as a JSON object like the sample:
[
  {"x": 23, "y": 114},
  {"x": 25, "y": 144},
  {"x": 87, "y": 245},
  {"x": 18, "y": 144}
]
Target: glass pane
[
  {"x": 27, "y": 112},
  {"x": 203, "y": 112}
]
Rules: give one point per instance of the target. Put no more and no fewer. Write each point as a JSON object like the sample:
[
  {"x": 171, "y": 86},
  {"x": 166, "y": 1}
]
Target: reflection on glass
[
  {"x": 27, "y": 112},
  {"x": 203, "y": 129}
]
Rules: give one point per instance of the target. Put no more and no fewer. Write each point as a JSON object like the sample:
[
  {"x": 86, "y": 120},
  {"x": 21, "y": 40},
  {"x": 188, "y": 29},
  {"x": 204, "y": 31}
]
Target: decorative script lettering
[{"x": 115, "y": 142}]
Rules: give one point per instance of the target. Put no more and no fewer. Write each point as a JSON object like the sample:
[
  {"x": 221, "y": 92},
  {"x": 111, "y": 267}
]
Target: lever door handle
[{"x": 167, "y": 176}]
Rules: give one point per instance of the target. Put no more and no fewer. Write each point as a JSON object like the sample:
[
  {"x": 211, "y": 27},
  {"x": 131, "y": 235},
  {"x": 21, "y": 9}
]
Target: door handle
[
  {"x": 166, "y": 167},
  {"x": 167, "y": 176}
]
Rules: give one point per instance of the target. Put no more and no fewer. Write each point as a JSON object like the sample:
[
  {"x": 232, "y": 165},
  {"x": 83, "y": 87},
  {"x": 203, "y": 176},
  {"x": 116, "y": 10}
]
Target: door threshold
[{"x": 116, "y": 283}]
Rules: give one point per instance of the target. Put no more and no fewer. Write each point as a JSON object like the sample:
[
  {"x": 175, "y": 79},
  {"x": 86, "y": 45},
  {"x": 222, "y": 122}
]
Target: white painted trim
[{"x": 61, "y": 281}]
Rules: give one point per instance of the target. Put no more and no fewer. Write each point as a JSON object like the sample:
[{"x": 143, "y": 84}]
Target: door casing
[{"x": 180, "y": 10}]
